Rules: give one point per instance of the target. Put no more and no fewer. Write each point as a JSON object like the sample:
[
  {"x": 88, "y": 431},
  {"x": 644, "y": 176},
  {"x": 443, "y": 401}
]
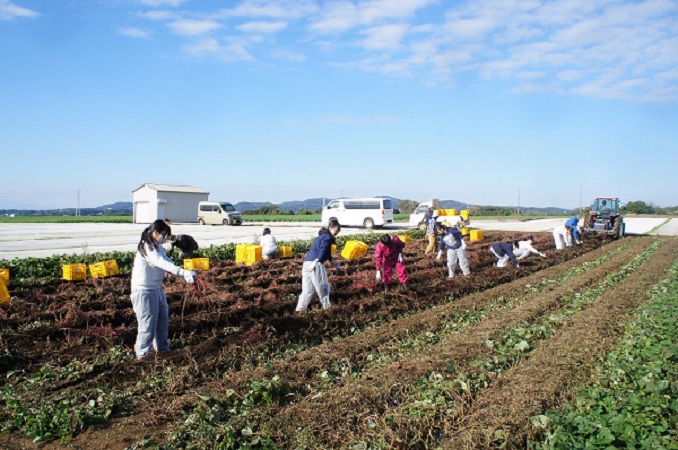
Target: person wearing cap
[
  {"x": 452, "y": 240},
  {"x": 573, "y": 229},
  {"x": 313, "y": 273},
  {"x": 525, "y": 249},
  {"x": 430, "y": 222},
  {"x": 269, "y": 246}
]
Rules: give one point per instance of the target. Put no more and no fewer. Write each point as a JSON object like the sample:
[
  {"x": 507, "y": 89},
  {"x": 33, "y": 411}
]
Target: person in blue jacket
[
  {"x": 504, "y": 251},
  {"x": 452, "y": 240},
  {"x": 313, "y": 273},
  {"x": 573, "y": 229}
]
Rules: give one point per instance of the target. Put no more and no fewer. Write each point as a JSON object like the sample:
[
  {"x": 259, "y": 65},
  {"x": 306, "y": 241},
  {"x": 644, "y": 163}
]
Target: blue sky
[{"x": 263, "y": 100}]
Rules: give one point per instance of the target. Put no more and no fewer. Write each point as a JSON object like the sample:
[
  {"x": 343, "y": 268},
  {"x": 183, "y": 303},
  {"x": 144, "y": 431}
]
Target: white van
[
  {"x": 417, "y": 217},
  {"x": 218, "y": 213},
  {"x": 361, "y": 212}
]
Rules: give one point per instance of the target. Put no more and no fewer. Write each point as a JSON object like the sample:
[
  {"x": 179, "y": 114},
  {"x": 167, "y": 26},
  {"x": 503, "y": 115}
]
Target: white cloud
[
  {"x": 9, "y": 11},
  {"x": 288, "y": 55},
  {"x": 158, "y": 15},
  {"x": 203, "y": 47},
  {"x": 262, "y": 27},
  {"x": 339, "y": 16},
  {"x": 385, "y": 37},
  {"x": 157, "y": 3},
  {"x": 232, "y": 49},
  {"x": 134, "y": 32},
  {"x": 190, "y": 27},
  {"x": 270, "y": 9}
]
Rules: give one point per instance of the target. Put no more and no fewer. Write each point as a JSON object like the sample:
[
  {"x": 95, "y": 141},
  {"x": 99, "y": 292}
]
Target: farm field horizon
[{"x": 464, "y": 363}]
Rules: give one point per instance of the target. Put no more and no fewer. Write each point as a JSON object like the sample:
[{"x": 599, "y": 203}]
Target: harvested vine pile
[{"x": 377, "y": 370}]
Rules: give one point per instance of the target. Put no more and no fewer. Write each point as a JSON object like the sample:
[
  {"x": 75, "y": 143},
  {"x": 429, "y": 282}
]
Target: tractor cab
[{"x": 605, "y": 218}]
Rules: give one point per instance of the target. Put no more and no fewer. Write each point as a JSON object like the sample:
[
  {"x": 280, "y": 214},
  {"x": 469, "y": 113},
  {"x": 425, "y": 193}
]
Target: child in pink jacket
[{"x": 389, "y": 253}]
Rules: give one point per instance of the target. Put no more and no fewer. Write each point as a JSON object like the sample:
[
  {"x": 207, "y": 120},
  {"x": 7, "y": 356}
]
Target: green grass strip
[{"x": 632, "y": 400}]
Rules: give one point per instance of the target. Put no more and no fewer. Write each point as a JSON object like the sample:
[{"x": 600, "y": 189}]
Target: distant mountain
[{"x": 244, "y": 206}]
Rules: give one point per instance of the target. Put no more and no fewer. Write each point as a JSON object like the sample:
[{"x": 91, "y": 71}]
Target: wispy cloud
[
  {"x": 159, "y": 3},
  {"x": 134, "y": 32},
  {"x": 603, "y": 48},
  {"x": 9, "y": 11},
  {"x": 191, "y": 27},
  {"x": 263, "y": 27}
]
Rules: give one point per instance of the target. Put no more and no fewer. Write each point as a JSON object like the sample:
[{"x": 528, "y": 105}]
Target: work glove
[
  {"x": 337, "y": 266},
  {"x": 400, "y": 257},
  {"x": 189, "y": 276},
  {"x": 378, "y": 275},
  {"x": 440, "y": 253}
]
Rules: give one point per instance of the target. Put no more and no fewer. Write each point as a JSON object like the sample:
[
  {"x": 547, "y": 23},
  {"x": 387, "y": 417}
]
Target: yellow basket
[
  {"x": 104, "y": 269},
  {"x": 464, "y": 214},
  {"x": 284, "y": 251},
  {"x": 73, "y": 272},
  {"x": 405, "y": 238},
  {"x": 464, "y": 231},
  {"x": 4, "y": 293},
  {"x": 450, "y": 212},
  {"x": 4, "y": 275},
  {"x": 476, "y": 235},
  {"x": 240, "y": 252},
  {"x": 252, "y": 254},
  {"x": 354, "y": 250},
  {"x": 197, "y": 264},
  {"x": 440, "y": 212}
]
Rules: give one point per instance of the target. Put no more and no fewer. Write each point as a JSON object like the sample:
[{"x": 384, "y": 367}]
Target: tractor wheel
[
  {"x": 618, "y": 224},
  {"x": 587, "y": 222}
]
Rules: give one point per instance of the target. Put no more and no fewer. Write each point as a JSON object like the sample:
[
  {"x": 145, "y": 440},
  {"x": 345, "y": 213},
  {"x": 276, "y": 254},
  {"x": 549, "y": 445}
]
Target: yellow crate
[
  {"x": 354, "y": 250},
  {"x": 334, "y": 249},
  {"x": 464, "y": 231},
  {"x": 405, "y": 238},
  {"x": 450, "y": 212},
  {"x": 74, "y": 272},
  {"x": 197, "y": 264},
  {"x": 240, "y": 252},
  {"x": 284, "y": 251},
  {"x": 4, "y": 292},
  {"x": 440, "y": 212},
  {"x": 476, "y": 235},
  {"x": 104, "y": 269},
  {"x": 4, "y": 275},
  {"x": 464, "y": 214},
  {"x": 252, "y": 254}
]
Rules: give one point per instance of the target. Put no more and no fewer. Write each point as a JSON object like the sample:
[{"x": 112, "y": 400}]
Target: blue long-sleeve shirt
[
  {"x": 503, "y": 249},
  {"x": 572, "y": 223},
  {"x": 321, "y": 249}
]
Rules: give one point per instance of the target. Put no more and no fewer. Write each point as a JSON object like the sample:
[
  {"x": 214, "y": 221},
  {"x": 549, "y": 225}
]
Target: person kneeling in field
[
  {"x": 525, "y": 249},
  {"x": 452, "y": 239},
  {"x": 313, "y": 273},
  {"x": 148, "y": 298},
  {"x": 185, "y": 243},
  {"x": 504, "y": 251},
  {"x": 387, "y": 255},
  {"x": 269, "y": 246}
]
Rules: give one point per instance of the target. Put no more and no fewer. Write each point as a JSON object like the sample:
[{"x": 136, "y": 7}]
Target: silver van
[{"x": 218, "y": 213}]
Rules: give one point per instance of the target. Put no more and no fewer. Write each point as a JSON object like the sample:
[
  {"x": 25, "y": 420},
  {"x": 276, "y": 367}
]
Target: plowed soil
[{"x": 242, "y": 327}]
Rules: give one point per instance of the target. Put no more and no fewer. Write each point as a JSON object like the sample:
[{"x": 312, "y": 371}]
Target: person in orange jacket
[{"x": 387, "y": 256}]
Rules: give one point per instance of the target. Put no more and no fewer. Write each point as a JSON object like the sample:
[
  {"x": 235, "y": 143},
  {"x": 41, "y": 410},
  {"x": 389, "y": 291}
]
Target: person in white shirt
[
  {"x": 148, "y": 298},
  {"x": 269, "y": 246},
  {"x": 562, "y": 237},
  {"x": 525, "y": 249}
]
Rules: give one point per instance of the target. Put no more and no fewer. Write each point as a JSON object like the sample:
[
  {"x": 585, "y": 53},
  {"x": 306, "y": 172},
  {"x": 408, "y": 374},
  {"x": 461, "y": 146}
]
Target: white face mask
[{"x": 160, "y": 240}]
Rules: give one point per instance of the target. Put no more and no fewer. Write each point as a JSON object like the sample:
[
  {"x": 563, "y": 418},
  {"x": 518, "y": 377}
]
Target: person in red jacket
[{"x": 387, "y": 255}]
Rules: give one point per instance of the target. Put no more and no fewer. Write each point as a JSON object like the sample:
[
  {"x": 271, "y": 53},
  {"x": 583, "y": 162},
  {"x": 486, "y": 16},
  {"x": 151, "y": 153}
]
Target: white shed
[{"x": 166, "y": 201}]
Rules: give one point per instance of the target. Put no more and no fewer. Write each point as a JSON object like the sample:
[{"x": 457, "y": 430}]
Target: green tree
[
  {"x": 407, "y": 206},
  {"x": 639, "y": 207}
]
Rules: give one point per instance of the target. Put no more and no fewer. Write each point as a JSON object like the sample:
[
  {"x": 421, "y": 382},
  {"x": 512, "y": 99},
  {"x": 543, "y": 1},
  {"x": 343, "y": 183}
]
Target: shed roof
[{"x": 172, "y": 188}]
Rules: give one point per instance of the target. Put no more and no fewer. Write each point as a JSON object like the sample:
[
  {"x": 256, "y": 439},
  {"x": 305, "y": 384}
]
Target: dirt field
[{"x": 460, "y": 363}]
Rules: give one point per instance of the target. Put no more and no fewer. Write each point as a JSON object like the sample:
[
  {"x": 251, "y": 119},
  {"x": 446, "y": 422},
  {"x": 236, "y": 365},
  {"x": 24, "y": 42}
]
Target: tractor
[{"x": 605, "y": 218}]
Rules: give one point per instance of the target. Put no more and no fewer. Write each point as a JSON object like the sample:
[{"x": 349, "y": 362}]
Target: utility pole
[
  {"x": 518, "y": 201},
  {"x": 77, "y": 207},
  {"x": 580, "y": 209}
]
